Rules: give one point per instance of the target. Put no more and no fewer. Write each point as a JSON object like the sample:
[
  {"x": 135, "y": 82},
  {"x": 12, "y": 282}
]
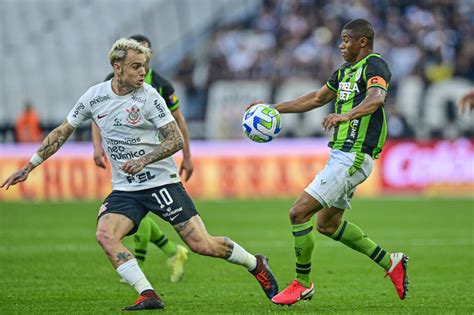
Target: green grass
[{"x": 50, "y": 262}]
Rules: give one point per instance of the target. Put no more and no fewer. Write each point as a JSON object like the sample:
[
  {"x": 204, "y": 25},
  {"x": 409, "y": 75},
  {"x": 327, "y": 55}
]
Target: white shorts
[{"x": 335, "y": 184}]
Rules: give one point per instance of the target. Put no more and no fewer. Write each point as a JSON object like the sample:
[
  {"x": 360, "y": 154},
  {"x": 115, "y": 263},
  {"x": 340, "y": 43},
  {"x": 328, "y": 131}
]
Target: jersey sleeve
[
  {"x": 377, "y": 73},
  {"x": 156, "y": 110},
  {"x": 332, "y": 83},
  {"x": 168, "y": 93},
  {"x": 80, "y": 112}
]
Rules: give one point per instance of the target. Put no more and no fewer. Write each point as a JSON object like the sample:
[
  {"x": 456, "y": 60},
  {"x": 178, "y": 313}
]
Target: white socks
[
  {"x": 134, "y": 276},
  {"x": 240, "y": 256}
]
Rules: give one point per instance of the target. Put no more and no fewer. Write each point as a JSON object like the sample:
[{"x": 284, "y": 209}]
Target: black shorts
[{"x": 170, "y": 202}]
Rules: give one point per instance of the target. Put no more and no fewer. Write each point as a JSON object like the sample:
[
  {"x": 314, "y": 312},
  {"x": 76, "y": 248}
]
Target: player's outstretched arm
[
  {"x": 303, "y": 103},
  {"x": 171, "y": 142},
  {"x": 186, "y": 164},
  {"x": 307, "y": 102},
  {"x": 51, "y": 144},
  {"x": 374, "y": 99}
]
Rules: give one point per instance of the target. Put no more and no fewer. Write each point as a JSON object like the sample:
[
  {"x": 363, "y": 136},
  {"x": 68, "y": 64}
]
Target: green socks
[
  {"x": 149, "y": 231},
  {"x": 140, "y": 241},
  {"x": 159, "y": 239},
  {"x": 352, "y": 236},
  {"x": 304, "y": 244},
  {"x": 347, "y": 233}
]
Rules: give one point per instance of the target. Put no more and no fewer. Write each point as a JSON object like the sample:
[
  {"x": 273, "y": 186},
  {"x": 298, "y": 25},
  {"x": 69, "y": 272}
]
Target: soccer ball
[{"x": 261, "y": 123}]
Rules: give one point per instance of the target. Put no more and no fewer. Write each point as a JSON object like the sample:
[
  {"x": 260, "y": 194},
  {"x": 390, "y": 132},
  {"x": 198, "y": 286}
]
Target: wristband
[{"x": 36, "y": 160}]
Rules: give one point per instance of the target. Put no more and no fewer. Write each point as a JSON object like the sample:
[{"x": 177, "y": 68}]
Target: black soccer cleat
[
  {"x": 148, "y": 300},
  {"x": 265, "y": 277}
]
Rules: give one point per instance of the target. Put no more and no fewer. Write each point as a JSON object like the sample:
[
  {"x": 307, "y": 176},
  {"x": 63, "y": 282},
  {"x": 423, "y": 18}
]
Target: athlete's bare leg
[
  {"x": 111, "y": 229},
  {"x": 194, "y": 234}
]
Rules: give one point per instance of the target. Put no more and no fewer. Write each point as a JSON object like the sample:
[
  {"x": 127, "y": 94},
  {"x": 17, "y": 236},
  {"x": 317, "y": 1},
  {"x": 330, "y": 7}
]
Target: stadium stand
[{"x": 53, "y": 49}]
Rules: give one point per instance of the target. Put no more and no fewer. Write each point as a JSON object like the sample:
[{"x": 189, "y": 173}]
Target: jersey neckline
[
  {"x": 115, "y": 95},
  {"x": 358, "y": 63}
]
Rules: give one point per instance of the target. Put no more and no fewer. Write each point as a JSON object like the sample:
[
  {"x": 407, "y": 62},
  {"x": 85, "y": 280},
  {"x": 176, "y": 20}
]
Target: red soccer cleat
[
  {"x": 148, "y": 300},
  {"x": 398, "y": 273},
  {"x": 265, "y": 276},
  {"x": 294, "y": 293}
]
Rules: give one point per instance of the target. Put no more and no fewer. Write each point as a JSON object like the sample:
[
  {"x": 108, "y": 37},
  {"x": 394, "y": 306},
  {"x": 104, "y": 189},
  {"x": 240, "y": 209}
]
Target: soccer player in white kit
[{"x": 140, "y": 136}]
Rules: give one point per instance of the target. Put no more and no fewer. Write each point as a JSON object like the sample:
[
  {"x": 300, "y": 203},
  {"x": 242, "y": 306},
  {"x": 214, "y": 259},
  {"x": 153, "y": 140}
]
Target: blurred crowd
[
  {"x": 288, "y": 38},
  {"x": 301, "y": 37},
  {"x": 430, "y": 39}
]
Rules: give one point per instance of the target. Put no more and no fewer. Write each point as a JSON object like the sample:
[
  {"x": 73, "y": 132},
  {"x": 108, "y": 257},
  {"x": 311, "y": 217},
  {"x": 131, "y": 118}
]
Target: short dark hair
[
  {"x": 141, "y": 39},
  {"x": 361, "y": 28}
]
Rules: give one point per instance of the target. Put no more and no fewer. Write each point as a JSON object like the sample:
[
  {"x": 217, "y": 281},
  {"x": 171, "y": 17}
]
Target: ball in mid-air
[{"x": 261, "y": 123}]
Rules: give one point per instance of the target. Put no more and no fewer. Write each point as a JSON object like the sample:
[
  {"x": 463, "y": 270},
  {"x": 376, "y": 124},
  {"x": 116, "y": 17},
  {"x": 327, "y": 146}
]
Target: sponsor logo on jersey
[
  {"x": 77, "y": 109},
  {"x": 101, "y": 116},
  {"x": 117, "y": 122},
  {"x": 119, "y": 153},
  {"x": 122, "y": 141},
  {"x": 346, "y": 89},
  {"x": 351, "y": 74},
  {"x": 161, "y": 111},
  {"x": 133, "y": 117},
  {"x": 353, "y": 125},
  {"x": 140, "y": 178},
  {"x": 99, "y": 99},
  {"x": 138, "y": 99}
]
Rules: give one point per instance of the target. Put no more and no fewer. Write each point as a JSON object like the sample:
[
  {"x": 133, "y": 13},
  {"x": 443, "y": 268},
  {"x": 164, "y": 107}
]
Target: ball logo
[
  {"x": 261, "y": 123},
  {"x": 133, "y": 117}
]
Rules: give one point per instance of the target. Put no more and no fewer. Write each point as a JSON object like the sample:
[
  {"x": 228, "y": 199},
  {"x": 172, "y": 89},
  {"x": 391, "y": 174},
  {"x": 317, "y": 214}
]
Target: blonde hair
[{"x": 119, "y": 49}]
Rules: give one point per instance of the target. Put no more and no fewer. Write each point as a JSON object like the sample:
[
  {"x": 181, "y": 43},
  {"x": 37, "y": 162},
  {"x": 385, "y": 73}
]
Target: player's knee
[
  {"x": 105, "y": 238},
  {"x": 297, "y": 215}
]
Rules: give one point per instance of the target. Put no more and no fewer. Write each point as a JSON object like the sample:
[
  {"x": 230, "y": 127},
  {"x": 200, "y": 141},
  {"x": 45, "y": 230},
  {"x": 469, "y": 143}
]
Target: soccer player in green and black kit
[
  {"x": 360, "y": 130},
  {"x": 149, "y": 231}
]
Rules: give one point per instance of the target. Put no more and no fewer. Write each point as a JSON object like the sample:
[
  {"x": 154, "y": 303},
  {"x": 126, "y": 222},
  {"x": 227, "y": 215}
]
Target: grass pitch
[{"x": 51, "y": 263}]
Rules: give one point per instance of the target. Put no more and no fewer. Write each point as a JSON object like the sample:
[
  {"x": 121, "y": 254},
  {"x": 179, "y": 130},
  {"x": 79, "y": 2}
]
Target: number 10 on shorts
[{"x": 164, "y": 199}]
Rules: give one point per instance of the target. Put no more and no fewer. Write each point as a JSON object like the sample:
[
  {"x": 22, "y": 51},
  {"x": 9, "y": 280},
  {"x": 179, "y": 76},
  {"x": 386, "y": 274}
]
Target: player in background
[
  {"x": 466, "y": 102},
  {"x": 359, "y": 87},
  {"x": 149, "y": 231},
  {"x": 141, "y": 136}
]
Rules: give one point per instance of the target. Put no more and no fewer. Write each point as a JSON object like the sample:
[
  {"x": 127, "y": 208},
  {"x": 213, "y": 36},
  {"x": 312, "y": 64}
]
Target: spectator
[{"x": 27, "y": 125}]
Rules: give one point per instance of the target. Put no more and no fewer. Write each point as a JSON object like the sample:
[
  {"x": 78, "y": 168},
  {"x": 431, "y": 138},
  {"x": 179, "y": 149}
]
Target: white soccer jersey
[{"x": 129, "y": 129}]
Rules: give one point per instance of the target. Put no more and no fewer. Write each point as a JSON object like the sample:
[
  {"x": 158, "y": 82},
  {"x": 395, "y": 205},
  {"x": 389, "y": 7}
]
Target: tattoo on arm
[
  {"x": 55, "y": 139},
  {"x": 229, "y": 247},
  {"x": 171, "y": 142}
]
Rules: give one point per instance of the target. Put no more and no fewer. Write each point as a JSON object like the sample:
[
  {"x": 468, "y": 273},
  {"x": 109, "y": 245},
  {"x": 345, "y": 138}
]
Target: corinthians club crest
[{"x": 133, "y": 117}]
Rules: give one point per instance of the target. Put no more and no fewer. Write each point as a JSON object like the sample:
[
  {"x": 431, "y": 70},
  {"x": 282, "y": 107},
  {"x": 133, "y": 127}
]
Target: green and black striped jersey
[
  {"x": 368, "y": 133},
  {"x": 163, "y": 86}
]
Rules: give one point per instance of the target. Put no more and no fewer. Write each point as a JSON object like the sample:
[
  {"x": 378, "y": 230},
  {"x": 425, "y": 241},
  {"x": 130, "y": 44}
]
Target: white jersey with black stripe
[{"x": 129, "y": 129}]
